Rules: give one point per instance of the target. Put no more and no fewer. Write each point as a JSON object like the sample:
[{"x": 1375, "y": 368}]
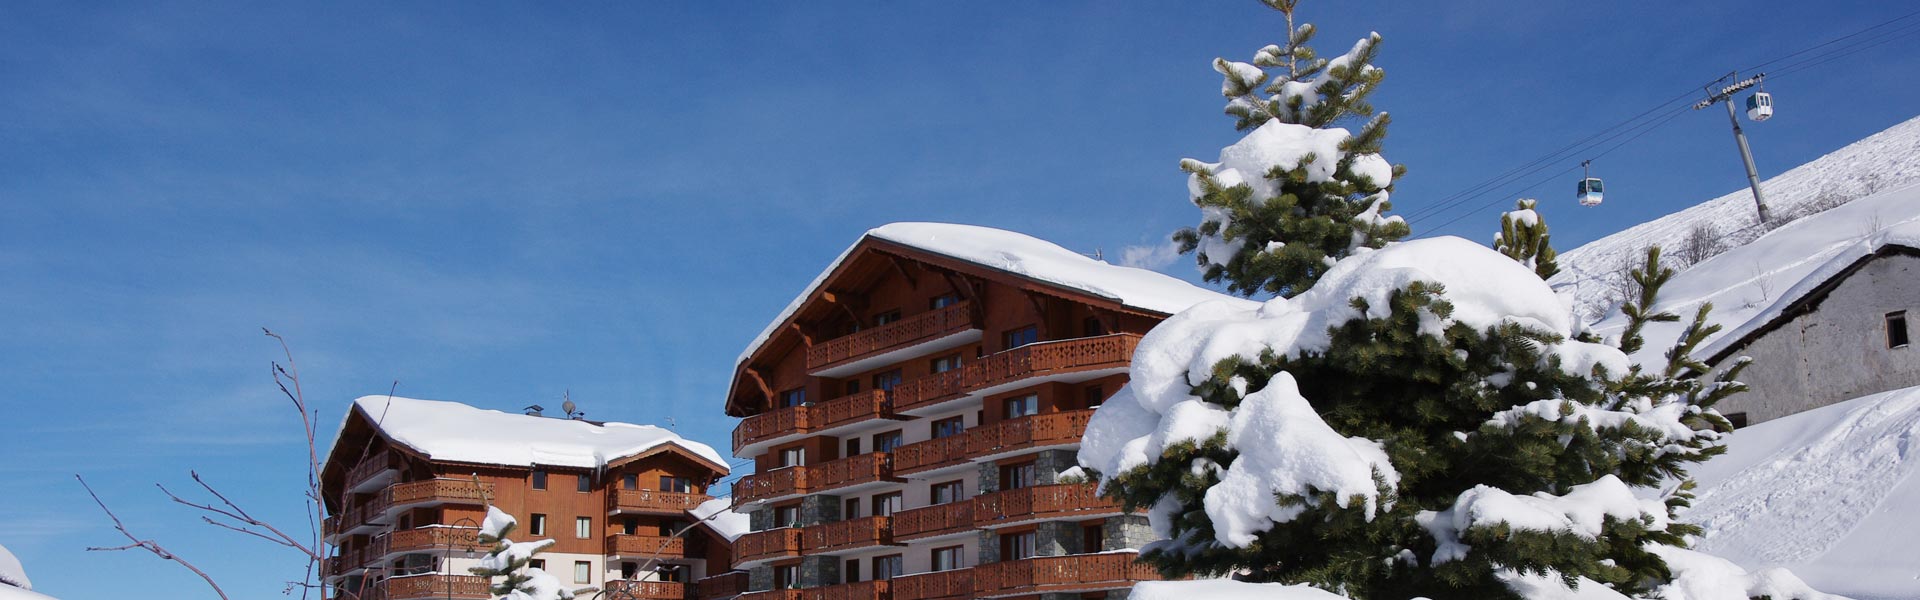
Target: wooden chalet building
[
  {"x": 407, "y": 482},
  {"x": 914, "y": 415}
]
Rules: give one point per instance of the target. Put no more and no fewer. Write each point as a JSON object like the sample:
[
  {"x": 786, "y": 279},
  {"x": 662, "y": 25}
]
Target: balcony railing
[
  {"x": 1031, "y": 360},
  {"x": 653, "y": 501},
  {"x": 368, "y": 467},
  {"x": 437, "y": 586},
  {"x": 957, "y": 583},
  {"x": 930, "y": 390},
  {"x": 859, "y": 590},
  {"x": 1039, "y": 503},
  {"x": 772, "y": 424},
  {"x": 731, "y": 583},
  {"x": 794, "y": 420},
  {"x": 647, "y": 590},
  {"x": 1060, "y": 573},
  {"x": 763, "y": 545},
  {"x": 654, "y": 546},
  {"x": 931, "y": 454},
  {"x": 892, "y": 336},
  {"x": 871, "y": 404},
  {"x": 849, "y": 534},
  {"x": 939, "y": 519},
  {"x": 776, "y": 595},
  {"x": 460, "y": 491},
  {"x": 1033, "y": 431},
  {"x": 853, "y": 470},
  {"x": 427, "y": 539},
  {"x": 784, "y": 481}
]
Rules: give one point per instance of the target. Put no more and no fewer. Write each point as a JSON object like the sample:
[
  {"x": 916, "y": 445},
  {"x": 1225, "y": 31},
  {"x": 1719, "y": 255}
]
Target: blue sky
[{"x": 495, "y": 203}]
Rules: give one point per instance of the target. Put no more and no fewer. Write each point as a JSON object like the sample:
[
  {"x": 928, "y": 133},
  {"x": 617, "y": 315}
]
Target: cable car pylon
[{"x": 1724, "y": 96}]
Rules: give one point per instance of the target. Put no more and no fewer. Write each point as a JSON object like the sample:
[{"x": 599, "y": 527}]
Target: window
[
  {"x": 886, "y": 317},
  {"x": 884, "y": 505},
  {"x": 583, "y": 483},
  {"x": 951, "y": 491},
  {"x": 888, "y": 567},
  {"x": 1092, "y": 538},
  {"x": 786, "y": 516},
  {"x": 671, "y": 573},
  {"x": 1092, "y": 326},
  {"x": 886, "y": 442},
  {"x": 630, "y": 481},
  {"x": 539, "y": 480},
  {"x": 630, "y": 525},
  {"x": 538, "y": 525},
  {"x": 1013, "y": 477},
  {"x": 793, "y": 457},
  {"x": 853, "y": 446},
  {"x": 950, "y": 426},
  {"x": 945, "y": 363},
  {"x": 1021, "y": 406},
  {"x": 537, "y": 563},
  {"x": 786, "y": 577},
  {"x": 582, "y": 571},
  {"x": 1897, "y": 329},
  {"x": 1738, "y": 419},
  {"x": 583, "y": 527},
  {"x": 853, "y": 387},
  {"x": 671, "y": 527},
  {"x": 792, "y": 397},
  {"x": 944, "y": 300},
  {"x": 1015, "y": 546},
  {"x": 1095, "y": 395},
  {"x": 886, "y": 381},
  {"x": 629, "y": 569},
  {"x": 851, "y": 509},
  {"x": 1015, "y": 338},
  {"x": 948, "y": 558},
  {"x": 676, "y": 484},
  {"x": 851, "y": 573}
]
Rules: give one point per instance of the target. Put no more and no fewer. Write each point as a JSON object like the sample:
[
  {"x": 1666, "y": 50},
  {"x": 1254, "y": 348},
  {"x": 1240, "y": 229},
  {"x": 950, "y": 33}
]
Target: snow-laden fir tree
[
  {"x": 1274, "y": 221},
  {"x": 508, "y": 560},
  {"x": 1523, "y": 237},
  {"x": 1416, "y": 420}
]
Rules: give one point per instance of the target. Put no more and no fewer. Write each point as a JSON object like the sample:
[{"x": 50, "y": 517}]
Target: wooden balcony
[
  {"x": 927, "y": 391},
  {"x": 941, "y": 585},
  {"x": 912, "y": 330},
  {"x": 765, "y": 545},
  {"x": 646, "y": 590},
  {"x": 847, "y": 535},
  {"x": 1034, "y": 431},
  {"x": 929, "y": 521},
  {"x": 430, "y": 539},
  {"x": 724, "y": 585},
  {"x": 451, "y": 491},
  {"x": 1045, "y": 502},
  {"x": 784, "y": 481},
  {"x": 931, "y": 454},
  {"x": 859, "y": 590},
  {"x": 653, "y": 501},
  {"x": 1113, "y": 351},
  {"x": 1080, "y": 572},
  {"x": 794, "y": 594},
  {"x": 369, "y": 467},
  {"x": 847, "y": 410},
  {"x": 772, "y": 424},
  {"x": 648, "y": 546},
  {"x": 853, "y": 470},
  {"x": 437, "y": 586}
]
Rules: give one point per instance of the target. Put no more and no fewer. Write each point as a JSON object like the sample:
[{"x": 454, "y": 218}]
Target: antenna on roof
[
  {"x": 671, "y": 424},
  {"x": 533, "y": 410},
  {"x": 573, "y": 410},
  {"x": 1096, "y": 254}
]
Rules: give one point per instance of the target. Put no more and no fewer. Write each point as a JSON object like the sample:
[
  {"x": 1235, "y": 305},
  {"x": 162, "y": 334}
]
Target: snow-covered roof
[
  {"x": 1022, "y": 255},
  {"x": 727, "y": 523},
  {"x": 1752, "y": 285},
  {"x": 1829, "y": 493},
  {"x": 11, "y": 573},
  {"x": 451, "y": 431}
]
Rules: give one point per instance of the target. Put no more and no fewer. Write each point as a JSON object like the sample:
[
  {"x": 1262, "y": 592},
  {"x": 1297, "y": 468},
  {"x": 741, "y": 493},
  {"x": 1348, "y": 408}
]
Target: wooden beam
[
  {"x": 900, "y": 265},
  {"x": 1039, "y": 308},
  {"x": 846, "y": 304},
  {"x": 760, "y": 382},
  {"x": 806, "y": 338}
]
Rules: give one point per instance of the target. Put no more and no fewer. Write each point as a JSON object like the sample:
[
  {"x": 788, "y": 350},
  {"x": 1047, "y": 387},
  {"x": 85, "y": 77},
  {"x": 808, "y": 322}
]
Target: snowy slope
[
  {"x": 1880, "y": 162},
  {"x": 1829, "y": 493},
  {"x": 452, "y": 431},
  {"x": 1752, "y": 284}
]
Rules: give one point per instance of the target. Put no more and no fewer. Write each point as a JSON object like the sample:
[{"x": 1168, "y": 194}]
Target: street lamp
[{"x": 456, "y": 541}]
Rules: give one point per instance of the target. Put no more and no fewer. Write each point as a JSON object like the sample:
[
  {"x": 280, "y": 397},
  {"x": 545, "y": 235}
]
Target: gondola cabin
[
  {"x": 1589, "y": 191},
  {"x": 1760, "y": 106}
]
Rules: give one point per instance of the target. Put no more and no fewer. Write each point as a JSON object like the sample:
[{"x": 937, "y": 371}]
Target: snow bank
[
  {"x": 1021, "y": 255},
  {"x": 1883, "y": 161},
  {"x": 1830, "y": 493},
  {"x": 1752, "y": 284},
  {"x": 718, "y": 514},
  {"x": 451, "y": 431},
  {"x": 1227, "y": 589}
]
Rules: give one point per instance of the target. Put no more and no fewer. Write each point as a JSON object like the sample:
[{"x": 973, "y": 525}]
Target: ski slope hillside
[
  {"x": 1879, "y": 162},
  {"x": 1829, "y": 493}
]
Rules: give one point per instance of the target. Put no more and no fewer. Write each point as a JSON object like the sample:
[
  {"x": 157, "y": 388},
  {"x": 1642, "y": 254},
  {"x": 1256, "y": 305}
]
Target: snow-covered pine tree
[
  {"x": 1417, "y": 420},
  {"x": 1523, "y": 237},
  {"x": 1297, "y": 193},
  {"x": 508, "y": 559}
]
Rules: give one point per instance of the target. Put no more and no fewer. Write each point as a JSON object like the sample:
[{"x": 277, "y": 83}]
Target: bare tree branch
[{"x": 148, "y": 545}]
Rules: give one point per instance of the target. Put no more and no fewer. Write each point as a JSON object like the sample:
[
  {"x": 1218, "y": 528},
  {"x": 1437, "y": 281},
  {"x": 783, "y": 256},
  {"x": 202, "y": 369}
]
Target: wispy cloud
[{"x": 1154, "y": 256}]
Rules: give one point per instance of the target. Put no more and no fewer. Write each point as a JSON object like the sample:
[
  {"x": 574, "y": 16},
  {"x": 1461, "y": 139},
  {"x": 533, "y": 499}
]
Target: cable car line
[
  {"x": 1849, "y": 50},
  {"x": 1832, "y": 41}
]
